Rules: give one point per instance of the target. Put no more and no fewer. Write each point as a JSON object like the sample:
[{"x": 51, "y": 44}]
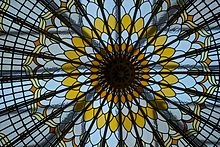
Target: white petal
[
  {"x": 188, "y": 81},
  {"x": 112, "y": 141},
  {"x": 130, "y": 140},
  {"x": 52, "y": 85},
  {"x": 77, "y": 129},
  {"x": 95, "y": 137},
  {"x": 147, "y": 136}
]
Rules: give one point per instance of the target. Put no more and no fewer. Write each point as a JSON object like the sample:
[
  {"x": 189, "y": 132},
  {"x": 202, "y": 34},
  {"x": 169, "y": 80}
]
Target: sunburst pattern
[{"x": 108, "y": 73}]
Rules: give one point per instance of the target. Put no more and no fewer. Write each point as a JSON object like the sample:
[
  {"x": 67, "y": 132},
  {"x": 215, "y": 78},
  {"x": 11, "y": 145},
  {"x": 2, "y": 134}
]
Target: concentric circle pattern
[
  {"x": 119, "y": 73},
  {"x": 109, "y": 73}
]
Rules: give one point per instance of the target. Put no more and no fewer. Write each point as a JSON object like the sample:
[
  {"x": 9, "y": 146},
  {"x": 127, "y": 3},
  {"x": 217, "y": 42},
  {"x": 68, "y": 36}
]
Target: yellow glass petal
[
  {"x": 123, "y": 100},
  {"x": 144, "y": 83},
  {"x": 143, "y": 63},
  {"x": 140, "y": 121},
  {"x": 136, "y": 52},
  {"x": 126, "y": 21},
  {"x": 141, "y": 56},
  {"x": 171, "y": 65},
  {"x": 87, "y": 32},
  {"x": 94, "y": 69},
  {"x": 109, "y": 47},
  {"x": 129, "y": 97},
  {"x": 139, "y": 24},
  {"x": 171, "y": 79},
  {"x": 145, "y": 76},
  {"x": 109, "y": 97},
  {"x": 103, "y": 94},
  {"x": 80, "y": 106},
  {"x": 68, "y": 67},
  {"x": 101, "y": 121},
  {"x": 130, "y": 48},
  {"x": 96, "y": 63},
  {"x": 145, "y": 69},
  {"x": 168, "y": 92},
  {"x": 72, "y": 54},
  {"x": 72, "y": 94},
  {"x": 123, "y": 46},
  {"x": 89, "y": 114},
  {"x": 99, "y": 57},
  {"x": 93, "y": 76},
  {"x": 127, "y": 124},
  {"x": 151, "y": 31},
  {"x": 135, "y": 94},
  {"x": 78, "y": 42},
  {"x": 116, "y": 47},
  {"x": 115, "y": 99},
  {"x": 160, "y": 40},
  {"x": 168, "y": 52},
  {"x": 113, "y": 124},
  {"x": 95, "y": 83},
  {"x": 69, "y": 81},
  {"x": 161, "y": 104},
  {"x": 112, "y": 22},
  {"x": 99, "y": 24},
  {"x": 151, "y": 113}
]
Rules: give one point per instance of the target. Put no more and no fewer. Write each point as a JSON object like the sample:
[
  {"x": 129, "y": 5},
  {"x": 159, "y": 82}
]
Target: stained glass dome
[{"x": 109, "y": 73}]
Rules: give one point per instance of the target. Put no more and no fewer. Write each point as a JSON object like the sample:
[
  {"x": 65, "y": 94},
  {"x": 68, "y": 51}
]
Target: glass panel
[{"x": 109, "y": 73}]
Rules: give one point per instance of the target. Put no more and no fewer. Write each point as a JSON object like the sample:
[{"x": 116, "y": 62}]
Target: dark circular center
[{"x": 119, "y": 73}]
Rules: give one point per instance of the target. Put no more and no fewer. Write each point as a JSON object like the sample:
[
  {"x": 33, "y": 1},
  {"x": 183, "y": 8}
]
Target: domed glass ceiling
[{"x": 109, "y": 73}]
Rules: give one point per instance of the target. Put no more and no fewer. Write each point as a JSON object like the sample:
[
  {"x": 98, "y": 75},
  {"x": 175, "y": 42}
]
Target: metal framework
[{"x": 109, "y": 73}]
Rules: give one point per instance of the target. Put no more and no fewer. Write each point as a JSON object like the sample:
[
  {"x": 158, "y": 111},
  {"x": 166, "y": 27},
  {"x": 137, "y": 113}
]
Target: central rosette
[
  {"x": 119, "y": 73},
  {"x": 110, "y": 80}
]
